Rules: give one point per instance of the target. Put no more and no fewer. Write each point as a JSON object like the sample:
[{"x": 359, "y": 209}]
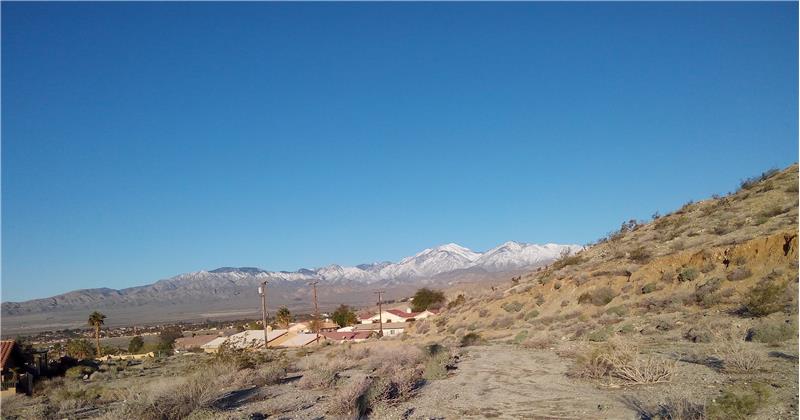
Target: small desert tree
[
  {"x": 283, "y": 317},
  {"x": 80, "y": 349},
  {"x": 167, "y": 338},
  {"x": 135, "y": 345},
  {"x": 96, "y": 320},
  {"x": 344, "y": 316},
  {"x": 426, "y": 298}
]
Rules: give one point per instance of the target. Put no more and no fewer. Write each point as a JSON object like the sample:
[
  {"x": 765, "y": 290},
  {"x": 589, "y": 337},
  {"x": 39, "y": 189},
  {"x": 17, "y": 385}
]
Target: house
[
  {"x": 296, "y": 340},
  {"x": 389, "y": 329},
  {"x": 350, "y": 336},
  {"x": 214, "y": 345},
  {"x": 20, "y": 367},
  {"x": 195, "y": 342},
  {"x": 253, "y": 339},
  {"x": 394, "y": 315},
  {"x": 305, "y": 327}
]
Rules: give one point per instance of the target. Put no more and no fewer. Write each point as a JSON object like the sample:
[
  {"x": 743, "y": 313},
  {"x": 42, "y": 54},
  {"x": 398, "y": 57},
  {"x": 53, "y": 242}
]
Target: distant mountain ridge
[{"x": 227, "y": 284}]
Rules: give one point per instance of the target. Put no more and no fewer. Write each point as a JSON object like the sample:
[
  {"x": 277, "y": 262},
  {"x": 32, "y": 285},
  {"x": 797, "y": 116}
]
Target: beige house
[{"x": 389, "y": 329}]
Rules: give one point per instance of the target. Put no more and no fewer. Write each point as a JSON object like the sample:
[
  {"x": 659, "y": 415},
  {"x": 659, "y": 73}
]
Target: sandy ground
[{"x": 503, "y": 381}]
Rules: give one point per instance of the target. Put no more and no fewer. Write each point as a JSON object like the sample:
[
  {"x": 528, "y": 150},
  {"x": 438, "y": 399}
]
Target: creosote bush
[
  {"x": 598, "y": 297},
  {"x": 738, "y": 403},
  {"x": 773, "y": 331},
  {"x": 512, "y": 306},
  {"x": 471, "y": 339},
  {"x": 687, "y": 274},
  {"x": 766, "y": 297}
]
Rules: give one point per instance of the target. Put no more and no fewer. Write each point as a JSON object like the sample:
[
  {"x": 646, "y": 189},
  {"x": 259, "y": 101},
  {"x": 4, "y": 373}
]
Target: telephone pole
[
  {"x": 316, "y": 310},
  {"x": 380, "y": 309},
  {"x": 262, "y": 290}
]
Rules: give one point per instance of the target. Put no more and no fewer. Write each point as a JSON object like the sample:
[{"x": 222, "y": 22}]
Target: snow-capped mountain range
[
  {"x": 430, "y": 262},
  {"x": 229, "y": 289}
]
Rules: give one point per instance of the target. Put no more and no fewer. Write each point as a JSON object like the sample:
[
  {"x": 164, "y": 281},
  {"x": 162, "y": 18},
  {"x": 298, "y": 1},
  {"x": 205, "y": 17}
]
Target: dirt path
[{"x": 501, "y": 381}]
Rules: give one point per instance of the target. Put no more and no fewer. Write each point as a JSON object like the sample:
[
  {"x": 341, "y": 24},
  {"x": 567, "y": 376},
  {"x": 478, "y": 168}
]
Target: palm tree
[{"x": 96, "y": 320}]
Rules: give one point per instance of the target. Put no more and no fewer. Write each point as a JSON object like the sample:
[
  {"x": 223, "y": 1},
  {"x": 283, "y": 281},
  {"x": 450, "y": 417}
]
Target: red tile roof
[
  {"x": 402, "y": 314},
  {"x": 6, "y": 347}
]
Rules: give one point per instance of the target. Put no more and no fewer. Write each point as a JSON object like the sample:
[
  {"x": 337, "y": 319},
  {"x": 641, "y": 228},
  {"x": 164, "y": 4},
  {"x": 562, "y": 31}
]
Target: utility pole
[
  {"x": 380, "y": 309},
  {"x": 262, "y": 290},
  {"x": 316, "y": 310}
]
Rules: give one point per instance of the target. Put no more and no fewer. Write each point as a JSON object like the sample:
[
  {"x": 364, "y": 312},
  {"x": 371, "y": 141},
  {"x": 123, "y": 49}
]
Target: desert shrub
[
  {"x": 531, "y": 315},
  {"x": 581, "y": 279},
  {"x": 619, "y": 310},
  {"x": 322, "y": 376},
  {"x": 436, "y": 363},
  {"x": 422, "y": 327},
  {"x": 640, "y": 254},
  {"x": 621, "y": 360},
  {"x": 557, "y": 285},
  {"x": 699, "y": 334},
  {"x": 598, "y": 297},
  {"x": 792, "y": 188},
  {"x": 502, "y": 322},
  {"x": 677, "y": 245},
  {"x": 649, "y": 288},
  {"x": 539, "y": 300},
  {"x": 672, "y": 408},
  {"x": 738, "y": 403},
  {"x": 751, "y": 182},
  {"x": 766, "y": 297},
  {"x": 483, "y": 313},
  {"x": 351, "y": 399},
  {"x": 703, "y": 291},
  {"x": 520, "y": 337},
  {"x": 738, "y": 357},
  {"x": 566, "y": 260},
  {"x": 600, "y": 334},
  {"x": 772, "y": 331},
  {"x": 471, "y": 339},
  {"x": 459, "y": 300},
  {"x": 427, "y": 298},
  {"x": 687, "y": 274},
  {"x": 541, "y": 341},
  {"x": 79, "y": 371},
  {"x": 722, "y": 229},
  {"x": 739, "y": 273},
  {"x": 512, "y": 306}
]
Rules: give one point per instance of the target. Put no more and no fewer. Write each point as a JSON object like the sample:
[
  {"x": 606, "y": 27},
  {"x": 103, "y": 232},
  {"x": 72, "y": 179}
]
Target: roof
[
  {"x": 403, "y": 314},
  {"x": 6, "y": 348},
  {"x": 253, "y": 338},
  {"x": 356, "y": 335},
  {"x": 196, "y": 341},
  {"x": 376, "y": 326},
  {"x": 215, "y": 343},
  {"x": 299, "y": 340},
  {"x": 366, "y": 314}
]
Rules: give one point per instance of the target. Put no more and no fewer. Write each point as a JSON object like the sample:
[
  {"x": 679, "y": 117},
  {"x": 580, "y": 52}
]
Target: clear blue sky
[{"x": 143, "y": 140}]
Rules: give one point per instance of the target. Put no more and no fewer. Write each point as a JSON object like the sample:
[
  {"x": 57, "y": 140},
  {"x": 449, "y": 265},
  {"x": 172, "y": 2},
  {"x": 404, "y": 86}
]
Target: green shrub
[
  {"x": 640, "y": 254},
  {"x": 702, "y": 291},
  {"x": 598, "y": 297},
  {"x": 766, "y": 297},
  {"x": 649, "y": 288},
  {"x": 619, "y": 310},
  {"x": 512, "y": 306},
  {"x": 531, "y": 315},
  {"x": 772, "y": 331},
  {"x": 687, "y": 274},
  {"x": 520, "y": 337},
  {"x": 79, "y": 371},
  {"x": 738, "y": 403},
  {"x": 471, "y": 339},
  {"x": 540, "y": 300},
  {"x": 600, "y": 335}
]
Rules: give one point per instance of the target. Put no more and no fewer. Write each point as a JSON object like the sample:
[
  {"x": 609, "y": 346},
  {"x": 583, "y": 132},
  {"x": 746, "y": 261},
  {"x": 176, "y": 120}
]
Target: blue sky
[{"x": 142, "y": 140}]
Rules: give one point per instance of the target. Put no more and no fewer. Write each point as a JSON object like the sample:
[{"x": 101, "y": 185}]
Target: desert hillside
[{"x": 703, "y": 299}]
